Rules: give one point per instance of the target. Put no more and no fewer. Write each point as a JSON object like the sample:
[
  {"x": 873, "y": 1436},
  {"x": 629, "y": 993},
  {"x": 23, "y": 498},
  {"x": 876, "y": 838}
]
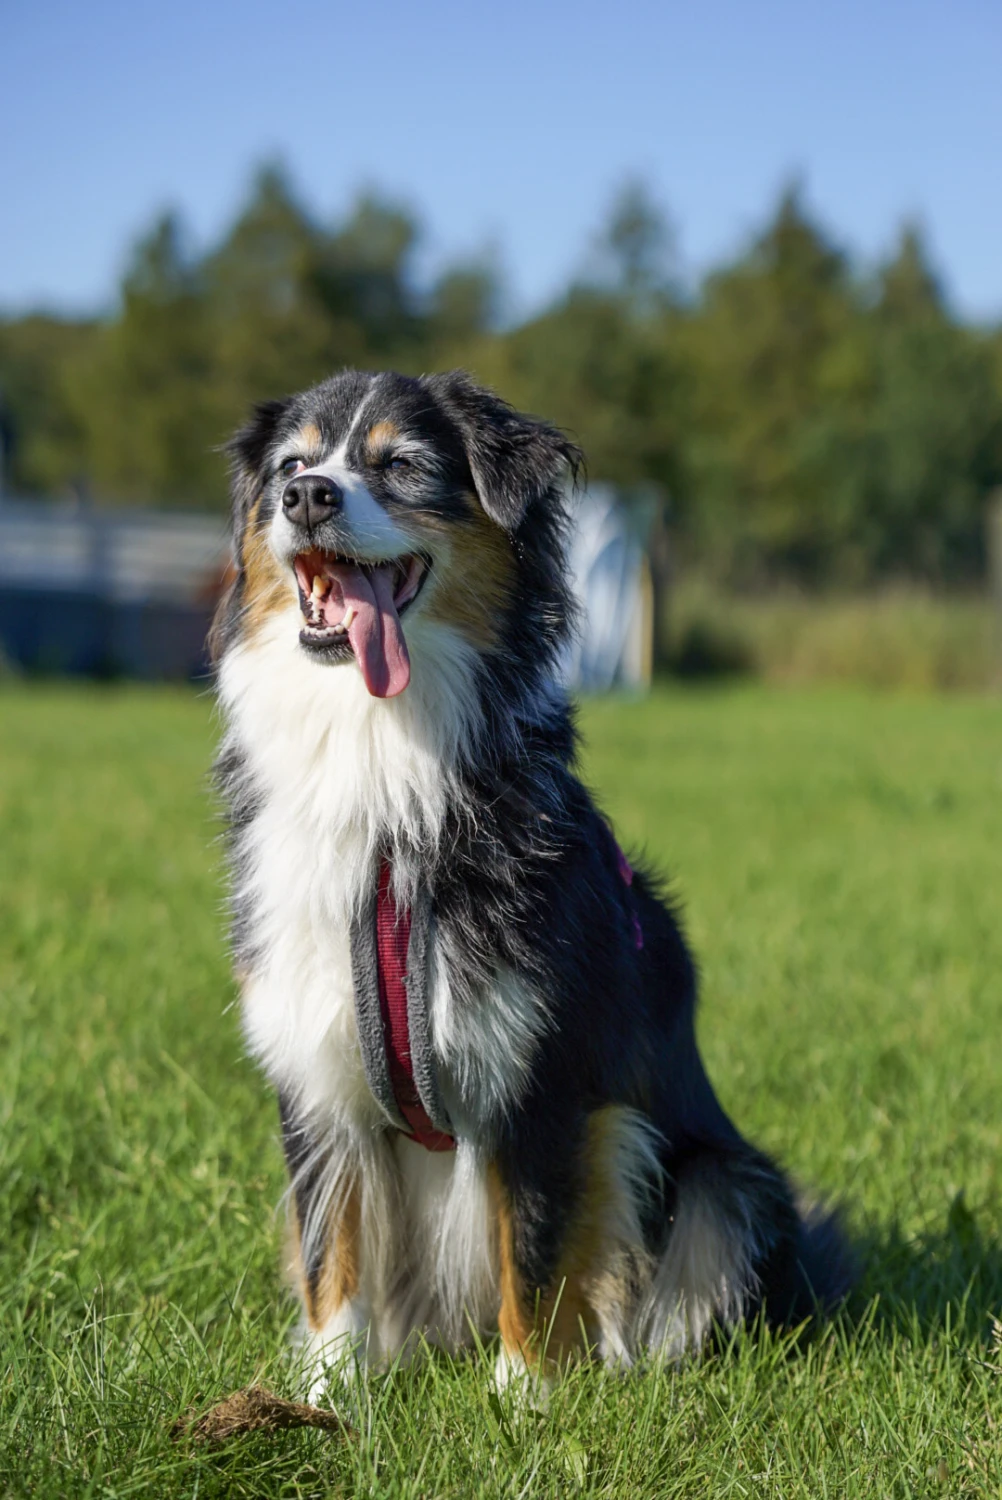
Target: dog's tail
[{"x": 826, "y": 1266}]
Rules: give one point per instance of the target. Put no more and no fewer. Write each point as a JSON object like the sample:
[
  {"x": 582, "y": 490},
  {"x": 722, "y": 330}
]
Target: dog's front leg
[
  {"x": 337, "y": 1310},
  {"x": 326, "y": 1256},
  {"x": 537, "y": 1199}
]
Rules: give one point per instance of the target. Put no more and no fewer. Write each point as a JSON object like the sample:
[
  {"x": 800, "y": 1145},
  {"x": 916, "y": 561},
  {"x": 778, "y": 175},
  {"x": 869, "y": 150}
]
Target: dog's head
[{"x": 373, "y": 502}]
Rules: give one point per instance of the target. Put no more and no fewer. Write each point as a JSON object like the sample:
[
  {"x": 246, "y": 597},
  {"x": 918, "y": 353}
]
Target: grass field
[{"x": 840, "y": 860}]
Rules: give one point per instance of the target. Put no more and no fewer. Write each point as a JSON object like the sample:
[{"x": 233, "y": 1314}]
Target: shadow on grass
[{"x": 927, "y": 1283}]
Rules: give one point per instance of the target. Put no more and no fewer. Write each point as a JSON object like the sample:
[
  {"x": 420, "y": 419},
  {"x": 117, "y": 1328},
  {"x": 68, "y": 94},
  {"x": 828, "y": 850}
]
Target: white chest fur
[{"x": 335, "y": 773}]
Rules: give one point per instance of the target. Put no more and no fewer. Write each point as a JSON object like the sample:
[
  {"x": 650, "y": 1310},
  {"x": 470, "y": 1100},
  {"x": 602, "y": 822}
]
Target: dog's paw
[
  {"x": 337, "y": 1357},
  {"x": 337, "y": 1382},
  {"x": 529, "y": 1388}
]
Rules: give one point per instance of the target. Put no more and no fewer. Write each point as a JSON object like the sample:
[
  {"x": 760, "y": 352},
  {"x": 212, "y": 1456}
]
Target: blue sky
[{"x": 506, "y": 125}]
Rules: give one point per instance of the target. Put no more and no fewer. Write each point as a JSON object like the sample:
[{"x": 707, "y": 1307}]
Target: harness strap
[
  {"x": 389, "y": 965},
  {"x": 626, "y": 876},
  {"x": 389, "y": 959}
]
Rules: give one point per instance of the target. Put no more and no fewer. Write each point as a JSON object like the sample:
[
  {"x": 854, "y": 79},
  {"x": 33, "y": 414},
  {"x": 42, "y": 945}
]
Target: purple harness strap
[{"x": 626, "y": 871}]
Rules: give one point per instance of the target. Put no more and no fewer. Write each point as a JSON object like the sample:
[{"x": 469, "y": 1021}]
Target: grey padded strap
[
  {"x": 418, "y": 1023},
  {"x": 365, "y": 976}
]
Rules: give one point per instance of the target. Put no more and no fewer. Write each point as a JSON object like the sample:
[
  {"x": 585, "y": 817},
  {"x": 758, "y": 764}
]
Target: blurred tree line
[{"x": 800, "y": 420}]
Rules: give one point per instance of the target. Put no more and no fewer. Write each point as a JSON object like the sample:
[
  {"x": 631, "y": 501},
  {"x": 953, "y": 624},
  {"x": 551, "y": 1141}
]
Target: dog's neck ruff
[{"x": 389, "y": 954}]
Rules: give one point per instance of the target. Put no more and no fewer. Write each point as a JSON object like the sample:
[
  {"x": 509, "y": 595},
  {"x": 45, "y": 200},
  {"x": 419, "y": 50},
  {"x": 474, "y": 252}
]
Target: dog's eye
[
  {"x": 291, "y": 466},
  {"x": 399, "y": 463}
]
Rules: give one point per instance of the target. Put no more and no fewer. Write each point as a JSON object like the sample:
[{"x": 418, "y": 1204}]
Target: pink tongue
[{"x": 375, "y": 634}]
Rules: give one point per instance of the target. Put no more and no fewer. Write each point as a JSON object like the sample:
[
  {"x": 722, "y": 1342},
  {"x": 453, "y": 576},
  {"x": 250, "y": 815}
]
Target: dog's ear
[
  {"x": 247, "y": 449},
  {"x": 515, "y": 460}
]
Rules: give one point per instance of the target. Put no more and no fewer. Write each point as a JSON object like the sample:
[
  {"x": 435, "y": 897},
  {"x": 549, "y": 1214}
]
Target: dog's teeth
[
  {"x": 340, "y": 630},
  {"x": 319, "y": 587},
  {"x": 349, "y": 615}
]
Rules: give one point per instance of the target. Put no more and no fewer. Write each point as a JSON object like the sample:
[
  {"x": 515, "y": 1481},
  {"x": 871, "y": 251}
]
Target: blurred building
[{"x": 108, "y": 593}]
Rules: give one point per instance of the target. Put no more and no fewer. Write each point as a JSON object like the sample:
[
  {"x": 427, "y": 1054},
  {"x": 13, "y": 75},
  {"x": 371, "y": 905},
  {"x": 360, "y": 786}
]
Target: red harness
[{"x": 393, "y": 932}]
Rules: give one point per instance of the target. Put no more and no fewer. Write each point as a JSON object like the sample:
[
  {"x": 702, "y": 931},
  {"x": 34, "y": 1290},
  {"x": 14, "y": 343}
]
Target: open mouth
[{"x": 353, "y": 608}]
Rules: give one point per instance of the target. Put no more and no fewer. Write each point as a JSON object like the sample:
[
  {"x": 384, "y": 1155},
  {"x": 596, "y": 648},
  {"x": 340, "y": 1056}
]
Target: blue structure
[{"x": 108, "y": 593}]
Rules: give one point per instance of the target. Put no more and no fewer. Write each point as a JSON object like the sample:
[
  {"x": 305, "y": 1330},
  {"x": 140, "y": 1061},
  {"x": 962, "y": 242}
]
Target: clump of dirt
[{"x": 254, "y": 1409}]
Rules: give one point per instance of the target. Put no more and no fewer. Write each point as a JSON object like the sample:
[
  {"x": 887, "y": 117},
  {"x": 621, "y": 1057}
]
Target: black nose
[{"x": 309, "y": 499}]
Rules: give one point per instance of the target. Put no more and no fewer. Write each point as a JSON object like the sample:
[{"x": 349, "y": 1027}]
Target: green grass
[{"x": 840, "y": 860}]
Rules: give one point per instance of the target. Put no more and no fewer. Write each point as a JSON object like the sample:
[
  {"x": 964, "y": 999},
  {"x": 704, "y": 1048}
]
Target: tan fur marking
[
  {"x": 308, "y": 438},
  {"x": 338, "y": 1281},
  {"x": 292, "y": 1259},
  {"x": 563, "y": 1317},
  {"x": 381, "y": 435},
  {"x": 473, "y": 590},
  {"x": 266, "y": 588},
  {"x": 516, "y": 1322}
]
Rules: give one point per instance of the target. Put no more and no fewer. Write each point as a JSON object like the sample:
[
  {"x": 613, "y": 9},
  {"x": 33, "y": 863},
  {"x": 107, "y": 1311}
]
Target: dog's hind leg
[{"x": 729, "y": 1246}]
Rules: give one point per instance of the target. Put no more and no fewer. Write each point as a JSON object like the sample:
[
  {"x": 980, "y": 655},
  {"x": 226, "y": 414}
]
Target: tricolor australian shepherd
[{"x": 477, "y": 1016}]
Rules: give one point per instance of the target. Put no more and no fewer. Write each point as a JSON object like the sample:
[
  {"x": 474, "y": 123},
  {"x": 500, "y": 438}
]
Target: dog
[{"x": 477, "y": 1016}]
